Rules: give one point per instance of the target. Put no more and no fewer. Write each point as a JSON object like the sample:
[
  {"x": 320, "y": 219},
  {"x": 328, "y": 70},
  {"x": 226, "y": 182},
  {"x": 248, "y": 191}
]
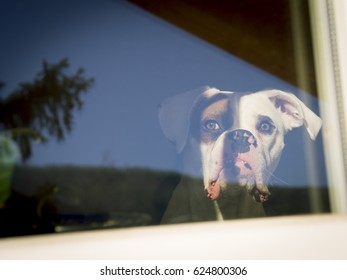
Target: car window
[{"x": 132, "y": 113}]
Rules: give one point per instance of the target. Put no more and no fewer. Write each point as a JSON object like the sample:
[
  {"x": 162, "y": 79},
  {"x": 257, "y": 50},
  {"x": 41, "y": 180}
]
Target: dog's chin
[{"x": 231, "y": 177}]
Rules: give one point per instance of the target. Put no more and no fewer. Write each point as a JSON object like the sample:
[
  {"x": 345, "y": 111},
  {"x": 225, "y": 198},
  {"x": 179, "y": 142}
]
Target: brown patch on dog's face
[
  {"x": 211, "y": 118},
  {"x": 214, "y": 120}
]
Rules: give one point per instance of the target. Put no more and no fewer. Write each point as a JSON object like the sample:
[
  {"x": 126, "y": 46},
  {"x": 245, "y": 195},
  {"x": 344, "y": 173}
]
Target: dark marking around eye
[
  {"x": 211, "y": 125},
  {"x": 210, "y": 130},
  {"x": 265, "y": 125}
]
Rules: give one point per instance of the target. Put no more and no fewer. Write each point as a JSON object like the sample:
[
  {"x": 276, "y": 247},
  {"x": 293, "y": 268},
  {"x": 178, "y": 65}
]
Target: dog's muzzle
[
  {"x": 236, "y": 164},
  {"x": 241, "y": 140}
]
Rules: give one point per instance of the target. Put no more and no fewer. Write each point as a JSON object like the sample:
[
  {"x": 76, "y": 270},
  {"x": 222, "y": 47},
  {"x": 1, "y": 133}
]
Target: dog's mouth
[
  {"x": 237, "y": 171},
  {"x": 213, "y": 190},
  {"x": 240, "y": 160}
]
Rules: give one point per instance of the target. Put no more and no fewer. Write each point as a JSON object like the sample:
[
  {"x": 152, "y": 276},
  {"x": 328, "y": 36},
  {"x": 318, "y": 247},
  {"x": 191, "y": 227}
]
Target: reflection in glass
[{"x": 115, "y": 168}]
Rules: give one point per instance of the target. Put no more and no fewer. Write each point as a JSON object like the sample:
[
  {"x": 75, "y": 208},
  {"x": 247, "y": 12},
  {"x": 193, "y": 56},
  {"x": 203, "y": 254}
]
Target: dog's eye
[
  {"x": 266, "y": 127},
  {"x": 211, "y": 125}
]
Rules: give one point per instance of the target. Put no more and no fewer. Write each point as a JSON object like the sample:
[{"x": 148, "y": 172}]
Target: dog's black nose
[{"x": 241, "y": 140}]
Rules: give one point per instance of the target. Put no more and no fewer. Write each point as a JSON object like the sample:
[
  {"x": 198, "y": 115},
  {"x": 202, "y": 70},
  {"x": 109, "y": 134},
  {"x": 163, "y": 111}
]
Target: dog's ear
[
  {"x": 295, "y": 112},
  {"x": 175, "y": 112}
]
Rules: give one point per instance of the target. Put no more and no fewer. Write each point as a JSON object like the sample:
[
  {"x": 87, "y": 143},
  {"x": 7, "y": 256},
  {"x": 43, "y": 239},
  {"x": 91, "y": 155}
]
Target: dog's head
[{"x": 233, "y": 138}]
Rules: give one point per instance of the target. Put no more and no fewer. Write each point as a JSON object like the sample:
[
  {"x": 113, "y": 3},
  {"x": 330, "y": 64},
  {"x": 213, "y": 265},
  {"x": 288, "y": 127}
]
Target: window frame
[
  {"x": 328, "y": 28},
  {"x": 328, "y": 33}
]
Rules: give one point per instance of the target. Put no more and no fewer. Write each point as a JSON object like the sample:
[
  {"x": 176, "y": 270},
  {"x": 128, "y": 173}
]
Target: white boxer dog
[{"x": 233, "y": 142}]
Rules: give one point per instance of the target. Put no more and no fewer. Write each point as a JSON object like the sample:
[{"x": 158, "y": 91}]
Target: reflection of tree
[{"x": 46, "y": 105}]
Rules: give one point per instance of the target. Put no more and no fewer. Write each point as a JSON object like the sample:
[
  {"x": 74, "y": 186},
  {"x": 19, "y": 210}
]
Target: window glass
[{"x": 89, "y": 138}]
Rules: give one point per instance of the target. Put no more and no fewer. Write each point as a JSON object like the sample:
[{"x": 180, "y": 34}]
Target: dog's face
[
  {"x": 235, "y": 139},
  {"x": 239, "y": 145}
]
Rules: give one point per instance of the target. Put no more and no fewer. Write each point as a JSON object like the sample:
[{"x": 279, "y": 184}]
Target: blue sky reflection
[{"x": 137, "y": 60}]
